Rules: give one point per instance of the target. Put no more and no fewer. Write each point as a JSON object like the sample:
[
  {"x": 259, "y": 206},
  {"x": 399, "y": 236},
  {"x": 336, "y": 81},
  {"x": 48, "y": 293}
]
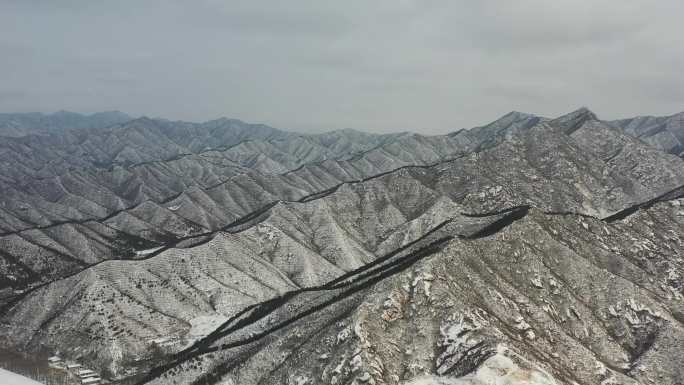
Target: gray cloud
[{"x": 386, "y": 65}]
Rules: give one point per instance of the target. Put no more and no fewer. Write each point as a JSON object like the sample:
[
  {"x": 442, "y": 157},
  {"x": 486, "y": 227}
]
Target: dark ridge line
[
  {"x": 350, "y": 163},
  {"x": 356, "y": 156},
  {"x": 457, "y": 132},
  {"x": 353, "y": 156},
  {"x": 127, "y": 208},
  {"x": 84, "y": 220},
  {"x": 172, "y": 197},
  {"x": 267, "y": 307},
  {"x": 223, "y": 149},
  {"x": 180, "y": 156},
  {"x": 495, "y": 212},
  {"x": 133, "y": 206},
  {"x": 463, "y": 364},
  {"x": 23, "y": 140},
  {"x": 610, "y": 219},
  {"x": 164, "y": 247},
  {"x": 230, "y": 364},
  {"x": 626, "y": 212},
  {"x": 111, "y": 165},
  {"x": 575, "y": 124},
  {"x": 571, "y": 213},
  {"x": 175, "y": 196},
  {"x": 250, "y": 216},
  {"x": 382, "y": 272},
  {"x": 357, "y": 283},
  {"x": 336, "y": 283},
  {"x": 620, "y": 215},
  {"x": 113, "y": 213},
  {"x": 501, "y": 223},
  {"x": 320, "y": 194},
  {"x": 387, "y": 256},
  {"x": 226, "y": 228},
  {"x": 665, "y": 197},
  {"x": 521, "y": 211},
  {"x": 68, "y": 257},
  {"x": 278, "y": 301},
  {"x": 110, "y": 168},
  {"x": 397, "y": 268},
  {"x": 615, "y": 154},
  {"x": 331, "y": 190},
  {"x": 309, "y": 198}
]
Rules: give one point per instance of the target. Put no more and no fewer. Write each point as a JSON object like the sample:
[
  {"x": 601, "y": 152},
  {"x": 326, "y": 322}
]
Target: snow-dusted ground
[
  {"x": 141, "y": 253},
  {"x": 203, "y": 325},
  {"x": 9, "y": 378}
]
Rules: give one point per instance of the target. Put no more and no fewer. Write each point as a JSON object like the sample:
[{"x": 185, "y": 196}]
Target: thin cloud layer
[{"x": 430, "y": 66}]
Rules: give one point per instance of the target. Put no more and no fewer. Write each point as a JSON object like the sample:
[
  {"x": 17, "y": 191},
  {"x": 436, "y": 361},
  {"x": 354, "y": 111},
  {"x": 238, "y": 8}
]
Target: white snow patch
[
  {"x": 140, "y": 253},
  {"x": 537, "y": 282},
  {"x": 203, "y": 325},
  {"x": 9, "y": 378}
]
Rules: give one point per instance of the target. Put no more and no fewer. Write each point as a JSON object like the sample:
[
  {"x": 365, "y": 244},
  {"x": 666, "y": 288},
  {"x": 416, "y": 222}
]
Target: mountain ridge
[{"x": 287, "y": 258}]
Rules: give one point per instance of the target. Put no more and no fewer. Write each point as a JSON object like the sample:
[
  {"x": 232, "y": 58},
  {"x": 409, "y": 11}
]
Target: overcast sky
[{"x": 427, "y": 66}]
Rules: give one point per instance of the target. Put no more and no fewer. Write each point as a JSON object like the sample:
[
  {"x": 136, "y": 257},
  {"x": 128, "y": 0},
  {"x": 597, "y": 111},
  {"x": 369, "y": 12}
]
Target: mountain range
[{"x": 530, "y": 250}]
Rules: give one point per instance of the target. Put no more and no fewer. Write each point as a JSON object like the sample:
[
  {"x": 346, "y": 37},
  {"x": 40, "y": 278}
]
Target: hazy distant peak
[
  {"x": 663, "y": 132},
  {"x": 65, "y": 113},
  {"x": 114, "y": 114},
  {"x": 143, "y": 121},
  {"x": 38, "y": 123},
  {"x": 225, "y": 120},
  {"x": 517, "y": 114}
]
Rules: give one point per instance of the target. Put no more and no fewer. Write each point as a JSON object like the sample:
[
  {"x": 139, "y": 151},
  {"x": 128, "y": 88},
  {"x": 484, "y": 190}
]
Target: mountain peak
[
  {"x": 173, "y": 239},
  {"x": 143, "y": 121},
  {"x": 586, "y": 112},
  {"x": 572, "y": 121},
  {"x": 111, "y": 114},
  {"x": 63, "y": 113},
  {"x": 517, "y": 114}
]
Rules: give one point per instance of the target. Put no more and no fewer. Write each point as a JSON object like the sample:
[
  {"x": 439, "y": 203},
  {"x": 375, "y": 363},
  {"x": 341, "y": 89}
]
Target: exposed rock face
[{"x": 527, "y": 251}]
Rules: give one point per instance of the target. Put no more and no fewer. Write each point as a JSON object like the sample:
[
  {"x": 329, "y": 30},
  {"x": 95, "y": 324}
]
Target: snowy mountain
[
  {"x": 19, "y": 125},
  {"x": 665, "y": 132},
  {"x": 528, "y": 250}
]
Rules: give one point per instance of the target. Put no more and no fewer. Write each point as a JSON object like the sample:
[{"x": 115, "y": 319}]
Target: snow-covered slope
[
  {"x": 663, "y": 132},
  {"x": 222, "y": 252},
  {"x": 9, "y": 378}
]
